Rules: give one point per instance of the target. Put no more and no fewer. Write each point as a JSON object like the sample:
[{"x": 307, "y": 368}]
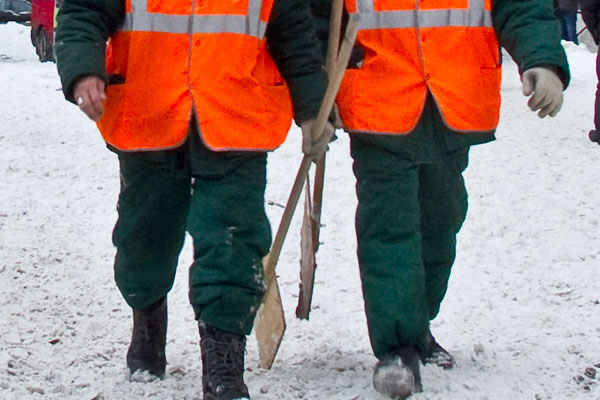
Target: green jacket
[
  {"x": 86, "y": 25},
  {"x": 527, "y": 29}
]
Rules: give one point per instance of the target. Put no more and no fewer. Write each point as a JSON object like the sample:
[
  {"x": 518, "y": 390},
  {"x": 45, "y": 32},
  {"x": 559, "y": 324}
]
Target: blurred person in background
[
  {"x": 566, "y": 12},
  {"x": 590, "y": 11}
]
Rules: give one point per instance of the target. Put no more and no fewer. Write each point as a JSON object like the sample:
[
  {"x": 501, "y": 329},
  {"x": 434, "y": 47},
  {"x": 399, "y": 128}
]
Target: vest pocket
[
  {"x": 491, "y": 52},
  {"x": 115, "y": 79}
]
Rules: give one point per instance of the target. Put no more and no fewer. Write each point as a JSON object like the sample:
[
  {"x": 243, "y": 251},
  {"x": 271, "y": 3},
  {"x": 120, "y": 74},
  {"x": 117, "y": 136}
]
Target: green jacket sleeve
[
  {"x": 528, "y": 30},
  {"x": 84, "y": 26},
  {"x": 296, "y": 51},
  {"x": 321, "y": 12}
]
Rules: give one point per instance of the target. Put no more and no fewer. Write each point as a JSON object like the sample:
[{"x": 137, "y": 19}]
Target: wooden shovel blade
[
  {"x": 307, "y": 261},
  {"x": 269, "y": 325}
]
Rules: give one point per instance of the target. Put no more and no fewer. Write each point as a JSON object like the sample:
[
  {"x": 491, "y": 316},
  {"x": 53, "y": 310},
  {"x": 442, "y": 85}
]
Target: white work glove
[
  {"x": 547, "y": 90},
  {"x": 314, "y": 149}
]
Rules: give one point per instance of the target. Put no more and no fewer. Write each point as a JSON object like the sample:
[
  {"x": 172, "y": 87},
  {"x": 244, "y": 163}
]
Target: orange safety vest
[
  {"x": 205, "y": 55},
  {"x": 411, "y": 46}
]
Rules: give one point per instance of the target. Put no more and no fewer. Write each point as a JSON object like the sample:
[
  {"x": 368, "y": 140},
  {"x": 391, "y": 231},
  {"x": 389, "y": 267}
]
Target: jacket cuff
[
  {"x": 561, "y": 70},
  {"x": 307, "y": 93},
  {"x": 72, "y": 66}
]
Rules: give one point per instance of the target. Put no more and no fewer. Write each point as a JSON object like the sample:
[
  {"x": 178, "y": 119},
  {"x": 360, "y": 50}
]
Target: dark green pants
[
  {"x": 410, "y": 209},
  {"x": 219, "y": 199}
]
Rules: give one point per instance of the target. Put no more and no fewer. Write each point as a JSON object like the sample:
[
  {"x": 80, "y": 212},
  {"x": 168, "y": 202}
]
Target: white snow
[{"x": 521, "y": 315}]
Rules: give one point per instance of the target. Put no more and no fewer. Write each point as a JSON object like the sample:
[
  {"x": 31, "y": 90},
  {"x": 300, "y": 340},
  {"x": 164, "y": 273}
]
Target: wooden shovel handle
[{"x": 335, "y": 80}]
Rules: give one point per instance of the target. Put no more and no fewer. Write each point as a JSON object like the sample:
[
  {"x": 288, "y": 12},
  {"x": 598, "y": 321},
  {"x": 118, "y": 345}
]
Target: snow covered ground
[{"x": 521, "y": 315}]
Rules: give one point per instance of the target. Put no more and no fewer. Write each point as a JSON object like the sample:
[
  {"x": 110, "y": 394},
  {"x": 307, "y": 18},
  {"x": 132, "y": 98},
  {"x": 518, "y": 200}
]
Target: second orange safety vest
[
  {"x": 209, "y": 55},
  {"x": 448, "y": 47}
]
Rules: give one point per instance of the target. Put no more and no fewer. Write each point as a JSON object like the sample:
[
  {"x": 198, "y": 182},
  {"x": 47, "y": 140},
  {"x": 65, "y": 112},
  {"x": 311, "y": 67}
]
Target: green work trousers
[
  {"x": 218, "y": 197},
  {"x": 410, "y": 208}
]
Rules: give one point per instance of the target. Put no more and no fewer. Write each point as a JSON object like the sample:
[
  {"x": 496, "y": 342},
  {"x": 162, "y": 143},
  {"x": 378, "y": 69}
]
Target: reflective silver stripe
[
  {"x": 366, "y": 6},
  {"x": 140, "y": 20},
  {"x": 255, "y": 26},
  {"x": 474, "y": 16},
  {"x": 228, "y": 24}
]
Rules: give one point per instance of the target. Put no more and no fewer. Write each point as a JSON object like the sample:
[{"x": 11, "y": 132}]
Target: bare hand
[{"x": 88, "y": 92}]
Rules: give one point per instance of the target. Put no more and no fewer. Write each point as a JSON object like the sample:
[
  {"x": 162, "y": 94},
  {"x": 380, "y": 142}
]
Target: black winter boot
[
  {"x": 436, "y": 354},
  {"x": 222, "y": 364},
  {"x": 147, "y": 349},
  {"x": 399, "y": 376}
]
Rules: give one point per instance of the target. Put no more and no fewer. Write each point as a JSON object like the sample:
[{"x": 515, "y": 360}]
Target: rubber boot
[{"x": 147, "y": 349}]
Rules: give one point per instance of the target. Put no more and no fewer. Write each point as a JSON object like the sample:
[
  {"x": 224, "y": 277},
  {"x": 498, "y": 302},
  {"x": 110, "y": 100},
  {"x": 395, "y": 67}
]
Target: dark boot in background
[
  {"x": 222, "y": 364},
  {"x": 147, "y": 349},
  {"x": 436, "y": 354},
  {"x": 399, "y": 375}
]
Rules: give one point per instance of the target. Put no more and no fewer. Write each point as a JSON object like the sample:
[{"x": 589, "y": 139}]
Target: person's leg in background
[
  {"x": 597, "y": 102},
  {"x": 570, "y": 17},
  {"x": 568, "y": 24},
  {"x": 594, "y": 134}
]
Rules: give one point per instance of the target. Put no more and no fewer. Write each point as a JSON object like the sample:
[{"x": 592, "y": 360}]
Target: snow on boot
[
  {"x": 436, "y": 354},
  {"x": 398, "y": 377},
  {"x": 147, "y": 349},
  {"x": 222, "y": 364}
]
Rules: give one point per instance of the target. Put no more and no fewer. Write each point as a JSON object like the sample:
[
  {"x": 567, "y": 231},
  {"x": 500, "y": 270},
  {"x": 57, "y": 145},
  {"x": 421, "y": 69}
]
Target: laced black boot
[
  {"x": 398, "y": 376},
  {"x": 222, "y": 364},
  {"x": 436, "y": 354},
  {"x": 147, "y": 349}
]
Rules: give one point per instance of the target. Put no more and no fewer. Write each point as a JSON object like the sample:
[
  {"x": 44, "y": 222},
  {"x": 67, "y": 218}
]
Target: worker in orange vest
[
  {"x": 191, "y": 98},
  {"x": 423, "y": 87}
]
